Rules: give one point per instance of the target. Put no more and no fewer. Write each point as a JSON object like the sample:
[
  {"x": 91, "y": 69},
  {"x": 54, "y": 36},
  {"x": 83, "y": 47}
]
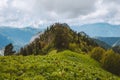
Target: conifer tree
[{"x": 9, "y": 50}]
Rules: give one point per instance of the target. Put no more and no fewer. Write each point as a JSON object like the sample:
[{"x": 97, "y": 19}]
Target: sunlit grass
[{"x": 64, "y": 65}]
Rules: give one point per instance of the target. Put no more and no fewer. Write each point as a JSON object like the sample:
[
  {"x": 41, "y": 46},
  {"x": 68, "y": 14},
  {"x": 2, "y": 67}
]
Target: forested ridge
[{"x": 59, "y": 36}]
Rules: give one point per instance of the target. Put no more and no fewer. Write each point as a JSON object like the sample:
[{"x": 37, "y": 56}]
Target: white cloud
[
  {"x": 3, "y": 4},
  {"x": 24, "y": 5}
]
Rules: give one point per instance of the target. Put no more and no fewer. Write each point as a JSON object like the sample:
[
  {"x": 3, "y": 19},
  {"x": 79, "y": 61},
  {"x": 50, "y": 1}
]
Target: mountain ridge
[
  {"x": 59, "y": 36},
  {"x": 99, "y": 29}
]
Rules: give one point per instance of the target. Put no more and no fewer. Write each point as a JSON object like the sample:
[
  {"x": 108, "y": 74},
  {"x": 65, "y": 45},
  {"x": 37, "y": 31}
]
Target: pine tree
[{"x": 9, "y": 50}]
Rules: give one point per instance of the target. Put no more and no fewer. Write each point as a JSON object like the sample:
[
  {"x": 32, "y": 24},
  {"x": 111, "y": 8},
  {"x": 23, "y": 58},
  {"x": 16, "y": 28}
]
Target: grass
[{"x": 64, "y": 65}]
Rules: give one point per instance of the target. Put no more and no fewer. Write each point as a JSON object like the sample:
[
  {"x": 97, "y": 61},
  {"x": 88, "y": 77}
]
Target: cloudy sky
[{"x": 20, "y": 13}]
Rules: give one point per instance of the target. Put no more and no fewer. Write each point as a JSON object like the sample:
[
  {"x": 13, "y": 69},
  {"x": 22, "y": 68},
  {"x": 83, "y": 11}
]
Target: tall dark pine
[
  {"x": 9, "y": 50},
  {"x": 61, "y": 38},
  {"x": 79, "y": 39},
  {"x": 37, "y": 46}
]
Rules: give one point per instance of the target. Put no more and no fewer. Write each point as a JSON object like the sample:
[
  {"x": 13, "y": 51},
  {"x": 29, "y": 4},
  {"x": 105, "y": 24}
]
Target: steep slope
[
  {"x": 117, "y": 43},
  {"x": 99, "y": 29},
  {"x": 112, "y": 41},
  {"x": 102, "y": 44},
  {"x": 4, "y": 40},
  {"x": 18, "y": 36},
  {"x": 65, "y": 65}
]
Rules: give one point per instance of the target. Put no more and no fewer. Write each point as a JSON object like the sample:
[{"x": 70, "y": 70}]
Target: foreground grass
[{"x": 65, "y": 65}]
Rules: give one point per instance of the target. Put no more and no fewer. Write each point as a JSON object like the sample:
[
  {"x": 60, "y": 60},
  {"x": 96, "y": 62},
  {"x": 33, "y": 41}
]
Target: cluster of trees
[
  {"x": 108, "y": 59},
  {"x": 32, "y": 48}
]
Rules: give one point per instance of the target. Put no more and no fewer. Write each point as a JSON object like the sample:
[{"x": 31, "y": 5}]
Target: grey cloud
[
  {"x": 111, "y": 1},
  {"x": 69, "y": 8},
  {"x": 113, "y": 9}
]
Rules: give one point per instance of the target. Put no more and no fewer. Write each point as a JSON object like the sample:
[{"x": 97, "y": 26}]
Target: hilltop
[{"x": 60, "y": 37}]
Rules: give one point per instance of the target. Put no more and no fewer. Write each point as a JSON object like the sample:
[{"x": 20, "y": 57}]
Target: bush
[
  {"x": 74, "y": 47},
  {"x": 97, "y": 53},
  {"x": 111, "y": 62}
]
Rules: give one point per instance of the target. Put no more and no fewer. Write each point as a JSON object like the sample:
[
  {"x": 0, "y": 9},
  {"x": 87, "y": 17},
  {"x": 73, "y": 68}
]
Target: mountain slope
[
  {"x": 112, "y": 41},
  {"x": 4, "y": 40},
  {"x": 60, "y": 66},
  {"x": 99, "y": 29},
  {"x": 102, "y": 43},
  {"x": 18, "y": 36},
  {"x": 117, "y": 43}
]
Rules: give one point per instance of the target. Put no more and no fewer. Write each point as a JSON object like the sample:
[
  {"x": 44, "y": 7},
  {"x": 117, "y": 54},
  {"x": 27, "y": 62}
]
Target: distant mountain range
[
  {"x": 104, "y": 32},
  {"x": 99, "y": 29},
  {"x": 18, "y": 36}
]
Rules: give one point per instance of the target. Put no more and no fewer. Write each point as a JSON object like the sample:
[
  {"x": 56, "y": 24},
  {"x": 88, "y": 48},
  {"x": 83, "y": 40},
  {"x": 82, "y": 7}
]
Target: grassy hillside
[{"x": 64, "y": 65}]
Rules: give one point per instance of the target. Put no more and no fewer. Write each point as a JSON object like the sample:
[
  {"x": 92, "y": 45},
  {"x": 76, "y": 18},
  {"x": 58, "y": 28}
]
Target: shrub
[
  {"x": 97, "y": 53},
  {"x": 74, "y": 47},
  {"x": 111, "y": 62}
]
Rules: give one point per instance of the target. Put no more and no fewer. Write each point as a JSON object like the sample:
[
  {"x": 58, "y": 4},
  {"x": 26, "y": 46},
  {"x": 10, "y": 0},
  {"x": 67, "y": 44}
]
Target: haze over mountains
[
  {"x": 99, "y": 29},
  {"x": 21, "y": 36},
  {"x": 17, "y": 36}
]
